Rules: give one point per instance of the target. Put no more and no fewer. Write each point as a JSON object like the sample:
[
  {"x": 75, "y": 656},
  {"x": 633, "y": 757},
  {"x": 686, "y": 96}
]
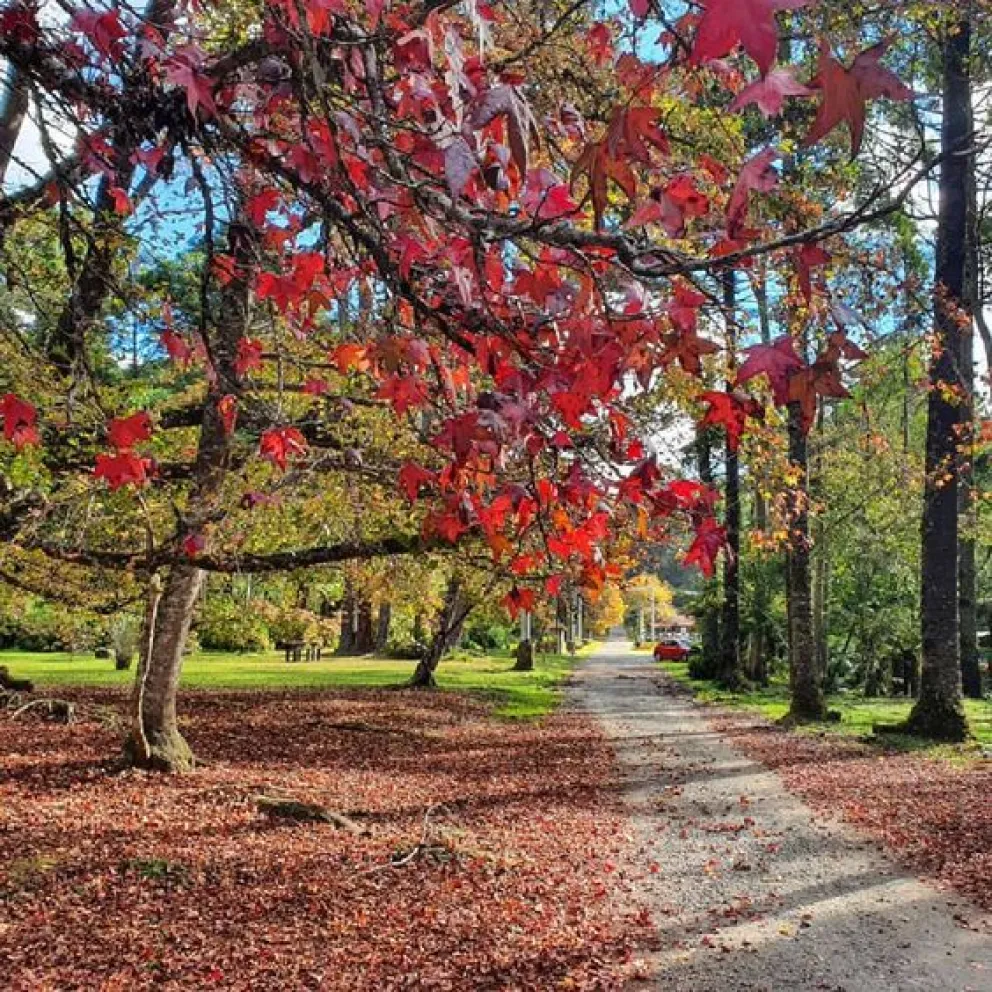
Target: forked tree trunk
[
  {"x": 938, "y": 712},
  {"x": 806, "y": 685},
  {"x": 155, "y": 741},
  {"x": 447, "y": 631}
]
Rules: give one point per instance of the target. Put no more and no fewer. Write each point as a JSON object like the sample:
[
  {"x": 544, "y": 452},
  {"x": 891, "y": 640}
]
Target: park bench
[{"x": 302, "y": 651}]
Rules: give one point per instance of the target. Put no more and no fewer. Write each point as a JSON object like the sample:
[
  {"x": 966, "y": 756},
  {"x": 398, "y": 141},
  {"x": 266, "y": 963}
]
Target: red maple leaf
[
  {"x": 845, "y": 92},
  {"x": 19, "y": 421},
  {"x": 125, "y": 432},
  {"x": 750, "y": 22},
  {"x": 412, "y": 478},
  {"x": 404, "y": 392},
  {"x": 193, "y": 544},
  {"x": 770, "y": 91},
  {"x": 249, "y": 356},
  {"x": 124, "y": 468},
  {"x": 758, "y": 175},
  {"x": 280, "y": 444},
  {"x": 176, "y": 346},
  {"x": 104, "y": 30},
  {"x": 227, "y": 408},
  {"x": 517, "y": 600},
  {"x": 730, "y": 411},
  {"x": 809, "y": 257},
  {"x": 778, "y": 361},
  {"x": 710, "y": 539},
  {"x": 185, "y": 69},
  {"x": 350, "y": 357},
  {"x": 822, "y": 378}
]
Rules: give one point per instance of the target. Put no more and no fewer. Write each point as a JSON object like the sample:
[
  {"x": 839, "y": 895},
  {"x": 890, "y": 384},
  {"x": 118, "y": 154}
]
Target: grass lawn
[
  {"x": 518, "y": 695},
  {"x": 858, "y": 713}
]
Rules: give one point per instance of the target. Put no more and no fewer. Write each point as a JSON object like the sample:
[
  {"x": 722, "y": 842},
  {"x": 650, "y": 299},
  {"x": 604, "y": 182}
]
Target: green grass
[
  {"x": 516, "y": 695},
  {"x": 859, "y": 714}
]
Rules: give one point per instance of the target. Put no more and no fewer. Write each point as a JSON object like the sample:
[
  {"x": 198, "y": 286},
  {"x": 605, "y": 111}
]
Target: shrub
[{"x": 224, "y": 625}]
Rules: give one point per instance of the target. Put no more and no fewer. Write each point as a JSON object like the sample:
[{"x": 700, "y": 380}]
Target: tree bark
[
  {"x": 448, "y": 629},
  {"x": 971, "y": 672},
  {"x": 709, "y": 632},
  {"x": 155, "y": 740},
  {"x": 383, "y": 624},
  {"x": 365, "y": 632},
  {"x": 349, "y": 620},
  {"x": 938, "y": 712},
  {"x": 12, "y": 113},
  {"x": 821, "y": 561},
  {"x": 806, "y": 685},
  {"x": 730, "y": 619}
]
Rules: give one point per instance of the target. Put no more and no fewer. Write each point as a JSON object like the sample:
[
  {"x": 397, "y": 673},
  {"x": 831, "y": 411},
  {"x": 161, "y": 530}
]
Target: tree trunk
[
  {"x": 155, "y": 741},
  {"x": 382, "y": 626},
  {"x": 807, "y": 702},
  {"x": 448, "y": 629},
  {"x": 730, "y": 618},
  {"x": 821, "y": 560},
  {"x": 12, "y": 114},
  {"x": 938, "y": 712},
  {"x": 349, "y": 622},
  {"x": 364, "y": 632},
  {"x": 971, "y": 672},
  {"x": 709, "y": 632}
]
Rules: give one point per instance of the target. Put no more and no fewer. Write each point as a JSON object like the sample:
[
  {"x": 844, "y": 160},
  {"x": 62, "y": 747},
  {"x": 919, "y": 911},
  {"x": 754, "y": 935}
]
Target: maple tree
[{"x": 399, "y": 214}]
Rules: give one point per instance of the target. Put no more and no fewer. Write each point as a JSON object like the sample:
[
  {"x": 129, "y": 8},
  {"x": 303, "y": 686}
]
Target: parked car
[{"x": 671, "y": 650}]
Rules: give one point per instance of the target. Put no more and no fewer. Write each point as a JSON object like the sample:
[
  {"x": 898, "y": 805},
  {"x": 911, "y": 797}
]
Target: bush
[
  {"x": 224, "y": 625},
  {"x": 485, "y": 635},
  {"x": 125, "y": 632},
  {"x": 701, "y": 667}
]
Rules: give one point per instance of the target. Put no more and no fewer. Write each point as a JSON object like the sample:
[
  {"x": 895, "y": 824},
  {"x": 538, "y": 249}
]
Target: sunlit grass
[
  {"x": 859, "y": 714},
  {"x": 516, "y": 695}
]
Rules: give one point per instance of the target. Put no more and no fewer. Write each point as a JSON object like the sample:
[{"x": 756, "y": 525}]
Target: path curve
[{"x": 747, "y": 889}]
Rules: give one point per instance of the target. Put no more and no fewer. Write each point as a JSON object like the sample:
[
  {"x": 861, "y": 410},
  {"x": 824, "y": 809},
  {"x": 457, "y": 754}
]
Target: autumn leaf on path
[{"x": 749, "y": 22}]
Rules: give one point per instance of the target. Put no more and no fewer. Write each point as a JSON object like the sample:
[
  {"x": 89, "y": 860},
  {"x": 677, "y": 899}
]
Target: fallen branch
[
  {"x": 58, "y": 709},
  {"x": 292, "y": 809},
  {"x": 422, "y": 849}
]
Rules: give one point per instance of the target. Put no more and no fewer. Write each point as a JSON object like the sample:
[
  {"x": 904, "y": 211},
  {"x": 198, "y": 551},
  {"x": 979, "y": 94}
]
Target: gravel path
[{"x": 746, "y": 888}]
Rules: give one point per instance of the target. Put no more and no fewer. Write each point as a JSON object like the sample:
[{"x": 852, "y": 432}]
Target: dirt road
[{"x": 747, "y": 889}]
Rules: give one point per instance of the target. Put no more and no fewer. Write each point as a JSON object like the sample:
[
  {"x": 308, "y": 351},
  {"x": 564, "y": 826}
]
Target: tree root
[{"x": 293, "y": 809}]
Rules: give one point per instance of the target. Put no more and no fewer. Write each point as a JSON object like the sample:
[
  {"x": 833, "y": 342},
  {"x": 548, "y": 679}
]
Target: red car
[{"x": 671, "y": 651}]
